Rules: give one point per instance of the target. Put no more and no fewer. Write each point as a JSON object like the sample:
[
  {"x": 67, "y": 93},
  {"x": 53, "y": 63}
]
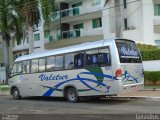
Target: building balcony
[
  {"x": 156, "y": 1},
  {"x": 21, "y": 47},
  {"x": 72, "y": 37},
  {"x": 76, "y": 14}
]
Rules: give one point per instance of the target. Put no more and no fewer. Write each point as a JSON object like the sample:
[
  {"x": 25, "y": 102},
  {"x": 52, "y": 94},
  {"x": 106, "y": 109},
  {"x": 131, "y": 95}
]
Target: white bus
[{"x": 96, "y": 69}]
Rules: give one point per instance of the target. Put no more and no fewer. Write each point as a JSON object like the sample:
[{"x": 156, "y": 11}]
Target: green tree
[
  {"x": 10, "y": 22},
  {"x": 30, "y": 11},
  {"x": 33, "y": 11},
  {"x": 47, "y": 8}
]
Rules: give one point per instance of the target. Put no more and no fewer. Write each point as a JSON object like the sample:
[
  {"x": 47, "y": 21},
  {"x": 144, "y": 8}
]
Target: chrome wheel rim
[
  {"x": 72, "y": 95},
  {"x": 15, "y": 94}
]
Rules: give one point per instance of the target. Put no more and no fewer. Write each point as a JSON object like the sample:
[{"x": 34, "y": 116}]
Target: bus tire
[
  {"x": 72, "y": 95},
  {"x": 16, "y": 94}
]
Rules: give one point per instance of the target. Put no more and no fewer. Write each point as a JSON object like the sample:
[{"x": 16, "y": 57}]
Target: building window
[
  {"x": 36, "y": 37},
  {"x": 76, "y": 8},
  {"x": 78, "y": 26},
  {"x": 2, "y": 64},
  {"x": 125, "y": 4},
  {"x": 96, "y": 2},
  {"x": 157, "y": 43},
  {"x": 96, "y": 23},
  {"x": 18, "y": 42},
  {"x": 46, "y": 33},
  {"x": 125, "y": 24},
  {"x": 157, "y": 9}
]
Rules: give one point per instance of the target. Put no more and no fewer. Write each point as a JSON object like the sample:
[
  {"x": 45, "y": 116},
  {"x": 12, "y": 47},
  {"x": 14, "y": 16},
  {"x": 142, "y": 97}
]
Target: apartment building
[
  {"x": 142, "y": 21},
  {"x": 77, "y": 21},
  {"x": 74, "y": 22}
]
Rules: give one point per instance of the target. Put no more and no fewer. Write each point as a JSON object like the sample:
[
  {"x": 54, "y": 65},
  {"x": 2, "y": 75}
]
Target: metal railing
[
  {"x": 74, "y": 34},
  {"x": 71, "y": 34},
  {"x": 75, "y": 11}
]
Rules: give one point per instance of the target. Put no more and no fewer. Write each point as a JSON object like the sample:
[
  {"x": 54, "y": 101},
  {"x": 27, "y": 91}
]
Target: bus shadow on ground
[{"x": 82, "y": 100}]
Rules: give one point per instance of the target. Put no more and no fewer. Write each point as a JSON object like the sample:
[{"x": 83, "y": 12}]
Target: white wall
[
  {"x": 151, "y": 65},
  {"x": 148, "y": 22},
  {"x": 108, "y": 21},
  {"x": 2, "y": 76},
  {"x": 134, "y": 14}
]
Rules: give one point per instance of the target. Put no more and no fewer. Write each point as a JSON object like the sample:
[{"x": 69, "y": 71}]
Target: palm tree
[
  {"x": 47, "y": 8},
  {"x": 9, "y": 22},
  {"x": 30, "y": 11}
]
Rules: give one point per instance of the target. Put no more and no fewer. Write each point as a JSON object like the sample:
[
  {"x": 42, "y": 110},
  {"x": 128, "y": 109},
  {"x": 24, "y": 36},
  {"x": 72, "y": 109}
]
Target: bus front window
[{"x": 16, "y": 69}]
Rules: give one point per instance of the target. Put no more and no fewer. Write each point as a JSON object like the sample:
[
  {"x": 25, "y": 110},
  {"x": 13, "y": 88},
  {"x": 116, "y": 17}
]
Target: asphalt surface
[
  {"x": 40, "y": 105},
  {"x": 128, "y": 106}
]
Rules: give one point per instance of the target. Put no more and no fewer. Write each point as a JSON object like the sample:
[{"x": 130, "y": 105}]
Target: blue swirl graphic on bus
[
  {"x": 127, "y": 77},
  {"x": 84, "y": 81}
]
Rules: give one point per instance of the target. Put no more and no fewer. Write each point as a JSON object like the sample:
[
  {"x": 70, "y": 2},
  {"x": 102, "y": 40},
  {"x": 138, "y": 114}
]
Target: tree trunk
[
  {"x": 118, "y": 19},
  {"x": 31, "y": 42},
  {"x": 6, "y": 58}
]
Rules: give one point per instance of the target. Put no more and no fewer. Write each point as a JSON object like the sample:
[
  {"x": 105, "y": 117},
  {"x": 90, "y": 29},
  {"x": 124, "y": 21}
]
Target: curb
[
  {"x": 153, "y": 89},
  {"x": 137, "y": 97},
  {"x": 4, "y": 93}
]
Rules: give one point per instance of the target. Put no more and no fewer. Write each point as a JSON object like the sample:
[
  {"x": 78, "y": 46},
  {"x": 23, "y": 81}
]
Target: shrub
[
  {"x": 152, "y": 76},
  {"x": 150, "y": 55},
  {"x": 146, "y": 47}
]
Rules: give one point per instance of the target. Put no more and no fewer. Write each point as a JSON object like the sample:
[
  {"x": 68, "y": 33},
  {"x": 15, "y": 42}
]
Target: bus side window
[
  {"x": 79, "y": 60},
  {"x": 104, "y": 57},
  {"x": 26, "y": 67},
  {"x": 92, "y": 57},
  {"x": 34, "y": 66},
  {"x": 50, "y": 64},
  {"x": 59, "y": 62},
  {"x": 42, "y": 63},
  {"x": 69, "y": 61}
]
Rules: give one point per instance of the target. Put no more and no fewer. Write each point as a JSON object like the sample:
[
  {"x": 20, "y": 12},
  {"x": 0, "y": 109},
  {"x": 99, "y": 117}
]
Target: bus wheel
[
  {"x": 15, "y": 94},
  {"x": 72, "y": 95}
]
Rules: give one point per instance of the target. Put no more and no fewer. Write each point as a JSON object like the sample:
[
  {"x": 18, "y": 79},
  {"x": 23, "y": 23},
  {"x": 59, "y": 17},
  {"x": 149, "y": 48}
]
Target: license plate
[{"x": 133, "y": 87}]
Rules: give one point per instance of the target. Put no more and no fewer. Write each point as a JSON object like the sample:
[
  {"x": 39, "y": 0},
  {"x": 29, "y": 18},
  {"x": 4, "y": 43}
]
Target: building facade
[
  {"x": 2, "y": 64},
  {"x": 78, "y": 21}
]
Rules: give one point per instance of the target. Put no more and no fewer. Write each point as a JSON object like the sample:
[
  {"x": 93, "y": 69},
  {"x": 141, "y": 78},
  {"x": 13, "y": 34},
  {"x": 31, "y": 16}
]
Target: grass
[{"x": 4, "y": 87}]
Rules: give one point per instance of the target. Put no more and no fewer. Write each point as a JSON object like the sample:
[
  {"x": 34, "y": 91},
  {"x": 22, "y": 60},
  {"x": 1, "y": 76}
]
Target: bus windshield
[{"x": 128, "y": 52}]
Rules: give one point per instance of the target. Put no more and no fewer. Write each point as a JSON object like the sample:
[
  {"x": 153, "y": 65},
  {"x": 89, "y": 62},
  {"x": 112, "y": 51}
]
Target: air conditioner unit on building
[{"x": 131, "y": 27}]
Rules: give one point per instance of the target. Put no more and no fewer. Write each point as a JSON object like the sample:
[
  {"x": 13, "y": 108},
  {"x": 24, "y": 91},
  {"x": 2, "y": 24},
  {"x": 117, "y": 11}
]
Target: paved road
[
  {"x": 60, "y": 106},
  {"x": 89, "y": 108}
]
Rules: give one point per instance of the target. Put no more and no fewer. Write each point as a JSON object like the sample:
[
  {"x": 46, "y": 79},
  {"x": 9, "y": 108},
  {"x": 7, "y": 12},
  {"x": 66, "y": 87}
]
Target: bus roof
[{"x": 73, "y": 48}]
